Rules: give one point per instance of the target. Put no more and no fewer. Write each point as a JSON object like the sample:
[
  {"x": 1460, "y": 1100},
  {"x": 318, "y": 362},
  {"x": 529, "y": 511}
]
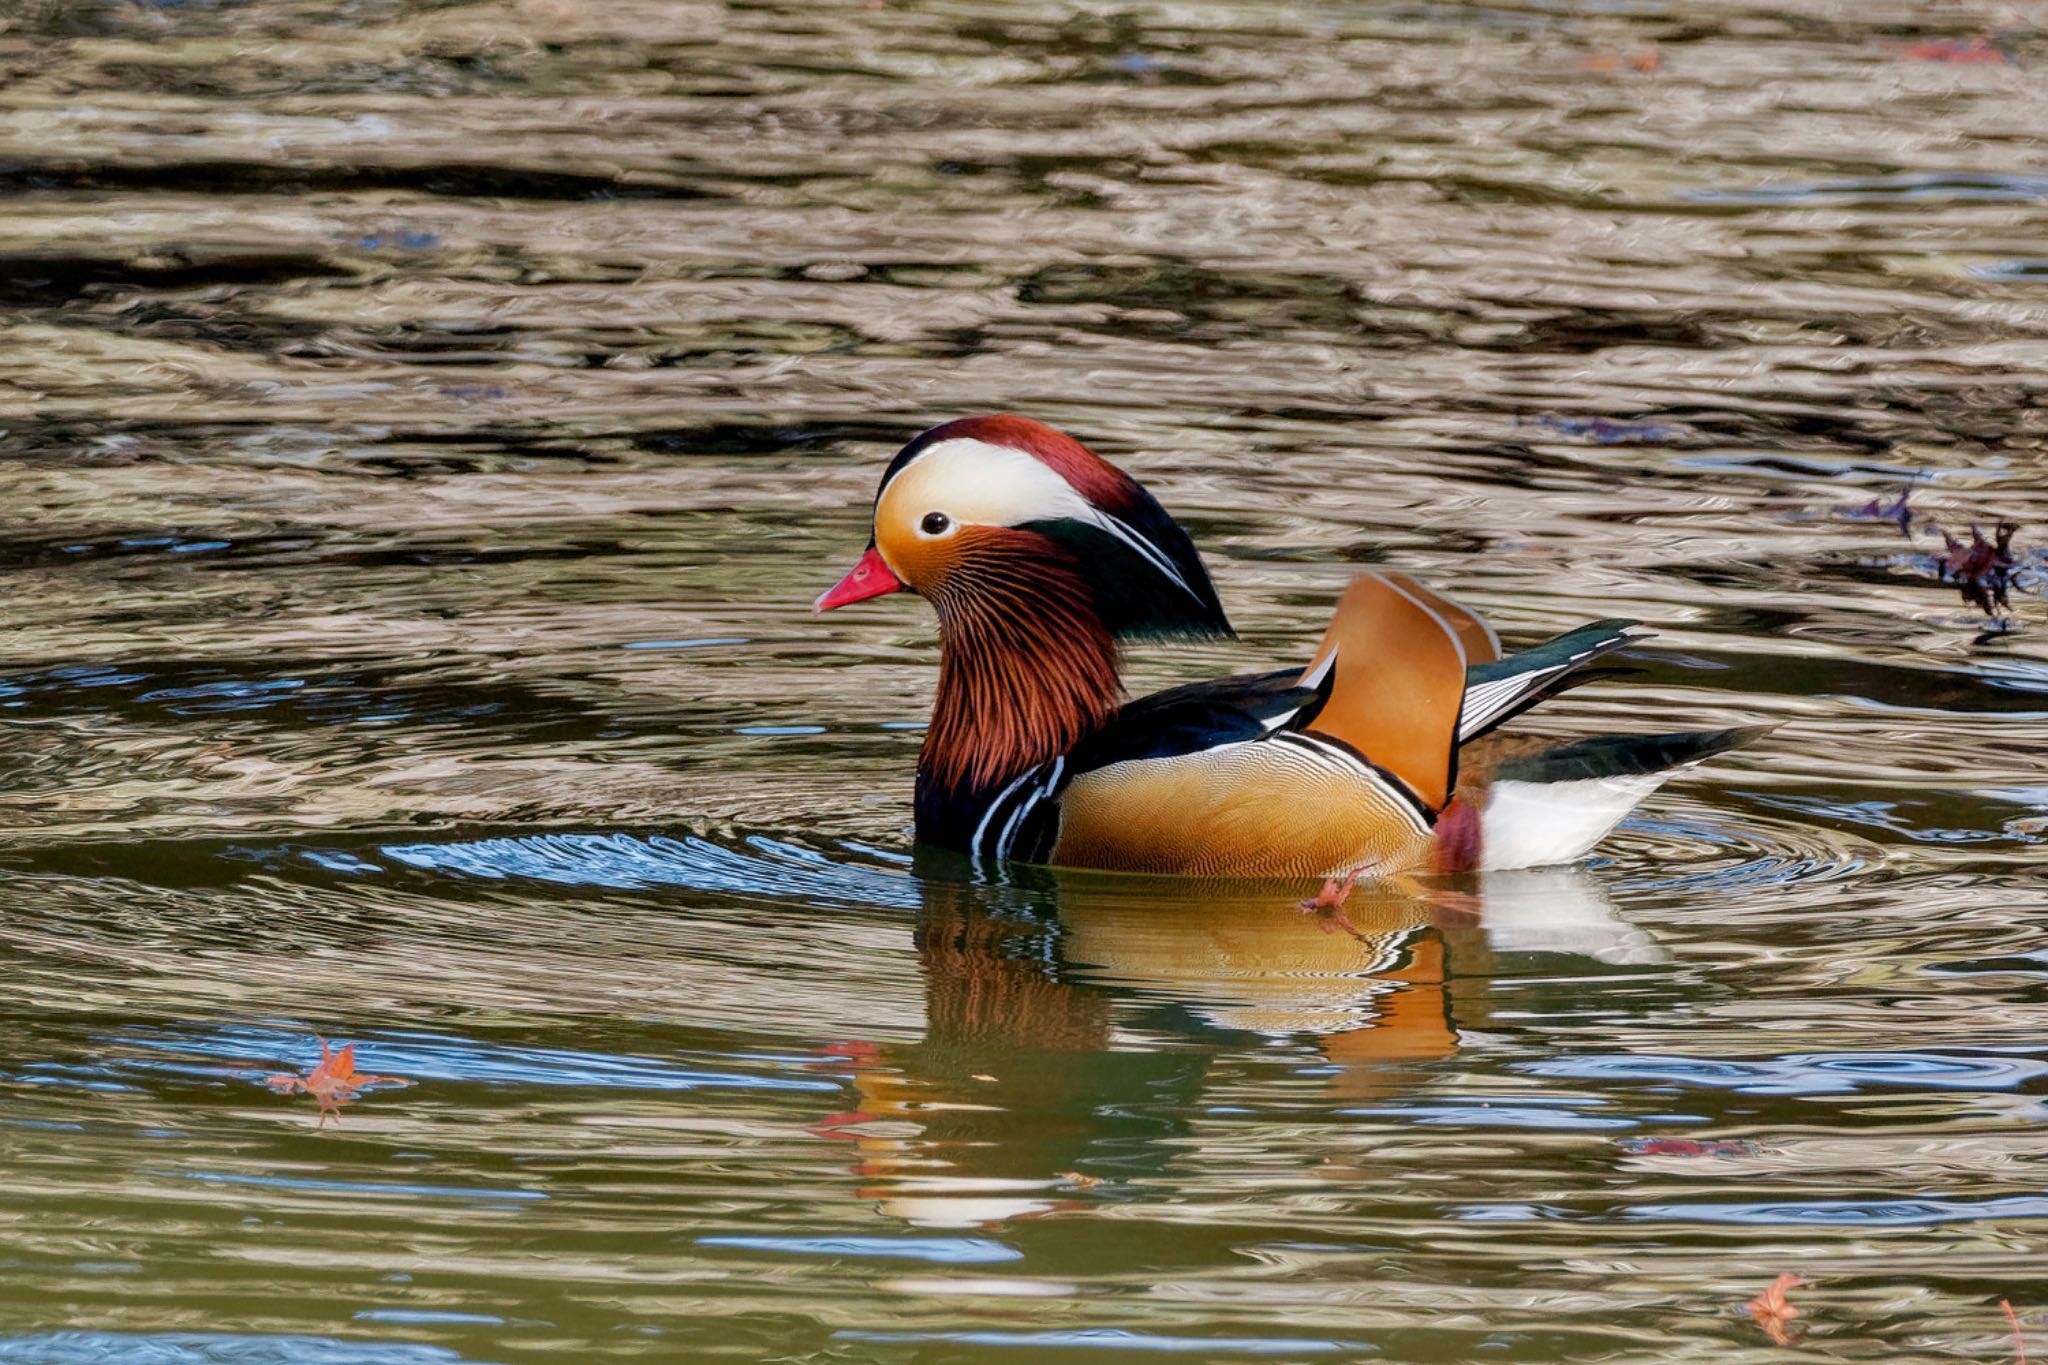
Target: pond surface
[{"x": 423, "y": 428}]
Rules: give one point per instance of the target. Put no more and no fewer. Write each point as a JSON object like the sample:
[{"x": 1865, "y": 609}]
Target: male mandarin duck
[{"x": 1378, "y": 757}]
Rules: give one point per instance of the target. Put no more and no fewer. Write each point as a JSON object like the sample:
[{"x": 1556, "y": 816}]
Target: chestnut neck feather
[{"x": 1026, "y": 670}]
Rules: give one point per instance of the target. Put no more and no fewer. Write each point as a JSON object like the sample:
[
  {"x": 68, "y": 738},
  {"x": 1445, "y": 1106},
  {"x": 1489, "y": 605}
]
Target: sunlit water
[{"x": 425, "y": 426}]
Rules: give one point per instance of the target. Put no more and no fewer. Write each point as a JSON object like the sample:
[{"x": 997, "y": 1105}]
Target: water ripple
[
  {"x": 1498, "y": 1112},
  {"x": 438, "y": 1057},
  {"x": 949, "y": 1250},
  {"x": 1915, "y": 187},
  {"x": 1849, "y": 1212},
  {"x": 1119, "y": 1339},
  {"x": 215, "y": 1348},
  {"x": 1713, "y": 853},
  {"x": 1817, "y": 1073},
  {"x": 626, "y": 862},
  {"x": 398, "y": 1191}
]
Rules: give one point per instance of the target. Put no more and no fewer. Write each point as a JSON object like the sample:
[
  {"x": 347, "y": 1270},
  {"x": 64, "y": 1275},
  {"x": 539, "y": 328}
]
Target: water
[{"x": 425, "y": 426}]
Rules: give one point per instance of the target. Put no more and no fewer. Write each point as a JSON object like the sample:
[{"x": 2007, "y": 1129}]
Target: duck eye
[{"x": 935, "y": 523}]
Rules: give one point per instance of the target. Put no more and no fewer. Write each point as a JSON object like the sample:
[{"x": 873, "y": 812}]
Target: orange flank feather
[
  {"x": 1238, "y": 810},
  {"x": 1400, "y": 684}
]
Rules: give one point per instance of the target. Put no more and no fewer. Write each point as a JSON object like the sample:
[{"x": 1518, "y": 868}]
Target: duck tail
[
  {"x": 1553, "y": 803},
  {"x": 1498, "y": 691}
]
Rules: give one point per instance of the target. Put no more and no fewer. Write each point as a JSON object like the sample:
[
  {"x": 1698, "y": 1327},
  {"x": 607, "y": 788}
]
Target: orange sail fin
[
  {"x": 1399, "y": 683},
  {"x": 1482, "y": 646}
]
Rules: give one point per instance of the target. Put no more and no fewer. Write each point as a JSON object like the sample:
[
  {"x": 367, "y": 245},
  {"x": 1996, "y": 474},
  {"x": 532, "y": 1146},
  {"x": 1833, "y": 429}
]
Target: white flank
[{"x": 1534, "y": 824}]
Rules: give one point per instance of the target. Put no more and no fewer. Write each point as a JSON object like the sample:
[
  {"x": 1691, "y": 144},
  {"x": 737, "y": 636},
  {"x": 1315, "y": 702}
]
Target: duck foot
[
  {"x": 1328, "y": 906},
  {"x": 1332, "y": 895}
]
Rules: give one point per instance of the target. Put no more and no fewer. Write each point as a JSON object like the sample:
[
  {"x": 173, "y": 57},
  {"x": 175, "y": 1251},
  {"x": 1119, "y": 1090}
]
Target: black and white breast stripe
[{"x": 1010, "y": 814}]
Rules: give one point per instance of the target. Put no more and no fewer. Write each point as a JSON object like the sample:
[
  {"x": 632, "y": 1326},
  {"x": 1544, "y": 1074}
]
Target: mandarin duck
[{"x": 1377, "y": 757}]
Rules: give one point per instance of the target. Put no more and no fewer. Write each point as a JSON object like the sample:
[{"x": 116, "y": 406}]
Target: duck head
[
  {"x": 975, "y": 503},
  {"x": 1038, "y": 556}
]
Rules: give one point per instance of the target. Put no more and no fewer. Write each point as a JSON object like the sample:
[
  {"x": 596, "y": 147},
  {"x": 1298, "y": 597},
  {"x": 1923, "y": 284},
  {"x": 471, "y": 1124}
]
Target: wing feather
[{"x": 1395, "y": 669}]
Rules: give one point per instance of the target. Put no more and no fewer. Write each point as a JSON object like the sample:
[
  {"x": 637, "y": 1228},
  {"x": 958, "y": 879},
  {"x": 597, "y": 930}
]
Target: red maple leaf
[
  {"x": 333, "y": 1082},
  {"x": 1687, "y": 1147},
  {"x": 1773, "y": 1313},
  {"x": 1955, "y": 50},
  {"x": 1982, "y": 569}
]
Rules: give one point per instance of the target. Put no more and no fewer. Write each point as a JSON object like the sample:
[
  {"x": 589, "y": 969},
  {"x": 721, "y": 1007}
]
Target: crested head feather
[
  {"x": 1094, "y": 478},
  {"x": 1141, "y": 572}
]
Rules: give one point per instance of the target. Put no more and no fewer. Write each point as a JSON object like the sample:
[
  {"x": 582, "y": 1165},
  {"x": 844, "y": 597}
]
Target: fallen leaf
[
  {"x": 1982, "y": 569},
  {"x": 1896, "y": 511},
  {"x": 1644, "y": 59},
  {"x": 1079, "y": 1181},
  {"x": 333, "y": 1082},
  {"x": 1773, "y": 1312},
  {"x": 1686, "y": 1147},
  {"x": 1957, "y": 51},
  {"x": 1607, "y": 431}
]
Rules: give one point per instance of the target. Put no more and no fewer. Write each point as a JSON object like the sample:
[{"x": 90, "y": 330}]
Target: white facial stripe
[
  {"x": 986, "y": 484},
  {"x": 981, "y": 483}
]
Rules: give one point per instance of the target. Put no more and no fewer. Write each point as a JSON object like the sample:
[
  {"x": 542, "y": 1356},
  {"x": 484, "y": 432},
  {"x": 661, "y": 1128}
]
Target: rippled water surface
[{"x": 423, "y": 427}]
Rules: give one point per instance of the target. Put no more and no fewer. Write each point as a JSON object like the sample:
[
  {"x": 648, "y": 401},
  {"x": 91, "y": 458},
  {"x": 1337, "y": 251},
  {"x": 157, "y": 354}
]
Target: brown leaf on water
[
  {"x": 1959, "y": 52},
  {"x": 1896, "y": 511},
  {"x": 1773, "y": 1312},
  {"x": 1982, "y": 569},
  {"x": 1644, "y": 60},
  {"x": 334, "y": 1082},
  {"x": 1687, "y": 1147}
]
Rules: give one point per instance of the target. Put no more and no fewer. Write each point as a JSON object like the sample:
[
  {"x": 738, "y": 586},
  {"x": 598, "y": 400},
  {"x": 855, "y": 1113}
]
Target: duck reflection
[{"x": 1076, "y": 1020}]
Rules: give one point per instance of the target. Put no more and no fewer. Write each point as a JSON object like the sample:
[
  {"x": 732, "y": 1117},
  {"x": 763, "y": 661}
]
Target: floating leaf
[
  {"x": 1687, "y": 1147},
  {"x": 1773, "y": 1312},
  {"x": 1982, "y": 569},
  {"x": 334, "y": 1082},
  {"x": 1644, "y": 59},
  {"x": 1958, "y": 51},
  {"x": 1894, "y": 511}
]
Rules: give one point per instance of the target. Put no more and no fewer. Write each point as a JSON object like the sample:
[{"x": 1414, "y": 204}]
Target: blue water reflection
[
  {"x": 216, "y": 1348},
  {"x": 1820, "y": 1073}
]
